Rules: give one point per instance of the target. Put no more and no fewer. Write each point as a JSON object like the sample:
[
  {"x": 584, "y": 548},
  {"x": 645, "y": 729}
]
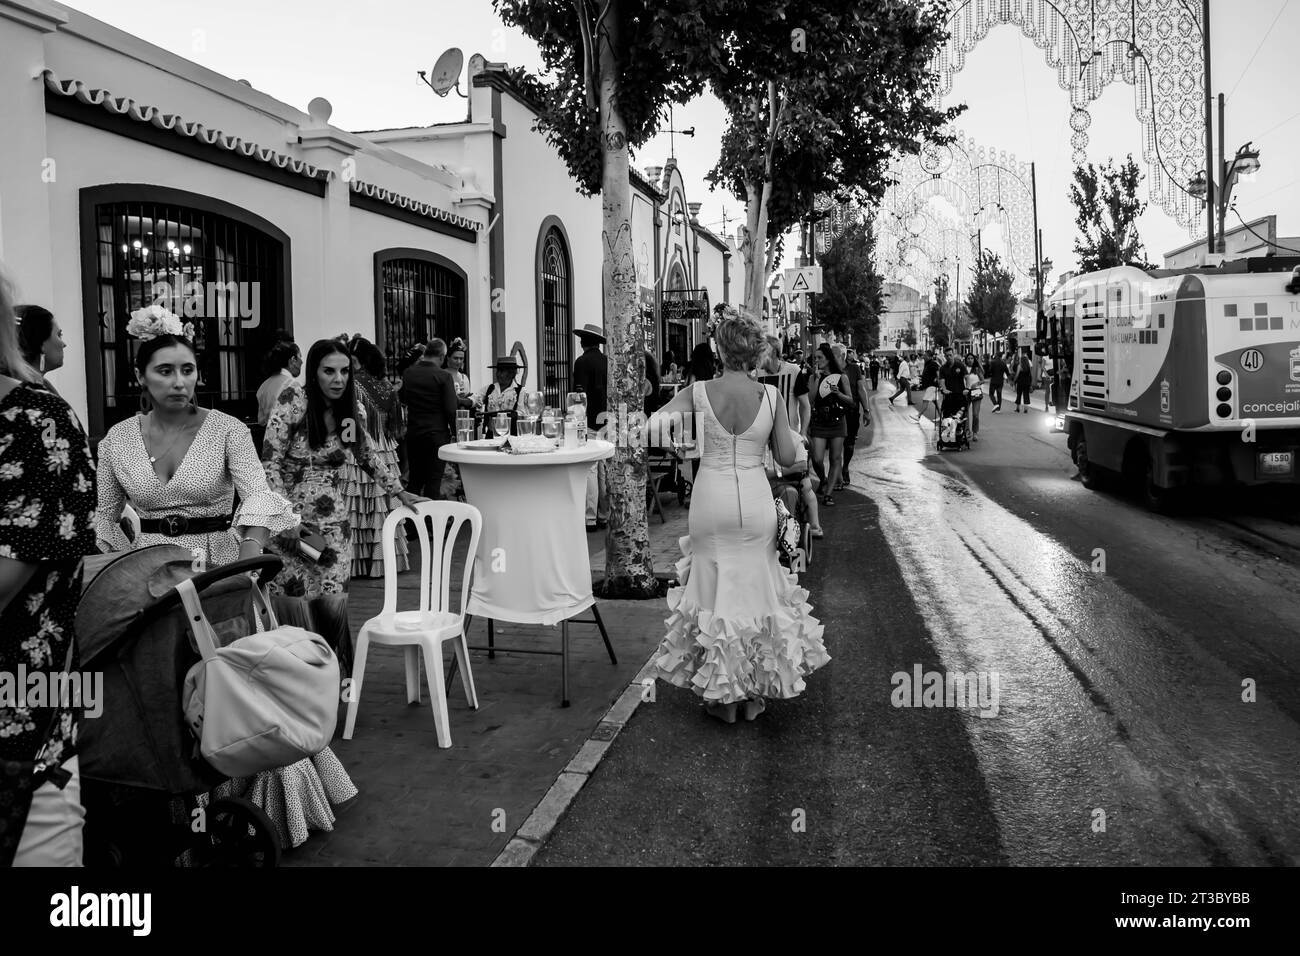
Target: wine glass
[
  {"x": 501, "y": 424},
  {"x": 533, "y": 404},
  {"x": 575, "y": 403}
]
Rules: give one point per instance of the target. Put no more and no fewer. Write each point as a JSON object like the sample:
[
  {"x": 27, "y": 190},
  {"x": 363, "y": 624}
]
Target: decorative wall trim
[
  {"x": 124, "y": 106},
  {"x": 423, "y": 209}
]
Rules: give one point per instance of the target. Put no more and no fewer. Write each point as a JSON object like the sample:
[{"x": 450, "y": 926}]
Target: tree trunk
[
  {"x": 629, "y": 569},
  {"x": 754, "y": 247}
]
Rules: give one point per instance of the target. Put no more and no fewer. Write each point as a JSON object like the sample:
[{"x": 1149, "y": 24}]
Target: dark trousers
[
  {"x": 426, "y": 467},
  {"x": 875, "y": 378},
  {"x": 854, "y": 421},
  {"x": 995, "y": 392},
  {"x": 1022, "y": 392}
]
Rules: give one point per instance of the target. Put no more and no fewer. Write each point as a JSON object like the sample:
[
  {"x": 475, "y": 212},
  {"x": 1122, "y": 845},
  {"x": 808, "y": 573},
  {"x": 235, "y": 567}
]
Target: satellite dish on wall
[
  {"x": 446, "y": 72},
  {"x": 477, "y": 63}
]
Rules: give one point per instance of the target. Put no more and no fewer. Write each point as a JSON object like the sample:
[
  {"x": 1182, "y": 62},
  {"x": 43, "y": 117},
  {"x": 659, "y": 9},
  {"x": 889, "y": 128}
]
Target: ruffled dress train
[{"x": 740, "y": 625}]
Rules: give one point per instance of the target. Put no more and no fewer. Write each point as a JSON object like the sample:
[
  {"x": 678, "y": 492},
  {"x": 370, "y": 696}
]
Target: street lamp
[{"x": 1243, "y": 168}]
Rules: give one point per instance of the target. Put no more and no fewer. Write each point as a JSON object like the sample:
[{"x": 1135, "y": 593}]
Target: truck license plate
[{"x": 1276, "y": 463}]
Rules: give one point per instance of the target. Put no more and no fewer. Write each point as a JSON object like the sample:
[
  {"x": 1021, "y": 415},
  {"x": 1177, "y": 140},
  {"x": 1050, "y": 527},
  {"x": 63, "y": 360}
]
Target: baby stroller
[
  {"x": 786, "y": 488},
  {"x": 954, "y": 429},
  {"x": 146, "y": 790}
]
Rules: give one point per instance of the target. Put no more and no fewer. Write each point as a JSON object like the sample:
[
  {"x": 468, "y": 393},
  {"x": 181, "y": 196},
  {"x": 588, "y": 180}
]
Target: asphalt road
[{"x": 1119, "y": 642}]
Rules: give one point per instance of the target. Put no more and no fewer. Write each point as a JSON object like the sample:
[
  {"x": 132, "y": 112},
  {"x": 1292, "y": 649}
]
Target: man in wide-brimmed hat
[
  {"x": 591, "y": 376},
  {"x": 502, "y": 394}
]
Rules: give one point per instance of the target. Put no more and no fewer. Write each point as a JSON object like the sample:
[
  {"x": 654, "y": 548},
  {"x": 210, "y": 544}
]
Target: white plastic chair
[{"x": 428, "y": 627}]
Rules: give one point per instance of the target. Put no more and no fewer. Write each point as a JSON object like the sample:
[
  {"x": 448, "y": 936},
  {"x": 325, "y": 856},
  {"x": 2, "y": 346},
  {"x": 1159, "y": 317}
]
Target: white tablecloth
[{"x": 532, "y": 565}]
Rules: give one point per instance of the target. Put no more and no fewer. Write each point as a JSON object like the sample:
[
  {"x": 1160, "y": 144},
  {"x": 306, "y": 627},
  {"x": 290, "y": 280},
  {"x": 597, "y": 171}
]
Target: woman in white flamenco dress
[{"x": 741, "y": 629}]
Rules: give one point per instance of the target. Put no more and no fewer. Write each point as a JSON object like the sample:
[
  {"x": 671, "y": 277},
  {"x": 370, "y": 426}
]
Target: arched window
[
  {"x": 420, "y": 296},
  {"x": 554, "y": 314},
  {"x": 213, "y": 264}
]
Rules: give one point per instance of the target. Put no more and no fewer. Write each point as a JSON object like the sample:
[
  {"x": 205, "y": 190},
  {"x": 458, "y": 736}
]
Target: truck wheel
[
  {"x": 1089, "y": 474},
  {"x": 1161, "y": 501}
]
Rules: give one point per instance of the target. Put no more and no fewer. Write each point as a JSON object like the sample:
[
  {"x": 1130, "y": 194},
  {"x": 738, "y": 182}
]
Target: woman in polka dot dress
[{"x": 179, "y": 467}]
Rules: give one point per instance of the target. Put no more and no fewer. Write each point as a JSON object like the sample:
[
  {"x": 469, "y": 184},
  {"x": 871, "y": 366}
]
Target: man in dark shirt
[
  {"x": 997, "y": 371},
  {"x": 429, "y": 394},
  {"x": 591, "y": 376},
  {"x": 953, "y": 379}
]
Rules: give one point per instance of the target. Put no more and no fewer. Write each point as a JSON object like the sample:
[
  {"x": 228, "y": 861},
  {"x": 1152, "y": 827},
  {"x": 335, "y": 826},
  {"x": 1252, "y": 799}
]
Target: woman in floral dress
[
  {"x": 308, "y": 443},
  {"x": 47, "y": 495},
  {"x": 368, "y": 503}
]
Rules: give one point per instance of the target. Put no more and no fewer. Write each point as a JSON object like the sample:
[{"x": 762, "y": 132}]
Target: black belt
[{"x": 175, "y": 525}]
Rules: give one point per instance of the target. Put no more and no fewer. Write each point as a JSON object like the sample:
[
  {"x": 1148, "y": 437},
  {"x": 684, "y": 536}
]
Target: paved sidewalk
[{"x": 422, "y": 806}]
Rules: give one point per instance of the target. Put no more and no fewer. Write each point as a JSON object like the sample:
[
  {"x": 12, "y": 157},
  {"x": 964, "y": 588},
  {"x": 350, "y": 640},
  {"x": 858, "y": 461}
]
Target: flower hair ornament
[
  {"x": 721, "y": 311},
  {"x": 155, "y": 320}
]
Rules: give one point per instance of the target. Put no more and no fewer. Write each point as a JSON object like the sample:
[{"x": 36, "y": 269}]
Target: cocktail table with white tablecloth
[{"x": 532, "y": 565}]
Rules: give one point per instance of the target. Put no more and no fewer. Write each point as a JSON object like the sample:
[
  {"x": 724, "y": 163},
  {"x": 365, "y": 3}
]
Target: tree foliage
[
  {"x": 820, "y": 95},
  {"x": 648, "y": 64},
  {"x": 1107, "y": 207},
  {"x": 990, "y": 301},
  {"x": 852, "y": 290}
]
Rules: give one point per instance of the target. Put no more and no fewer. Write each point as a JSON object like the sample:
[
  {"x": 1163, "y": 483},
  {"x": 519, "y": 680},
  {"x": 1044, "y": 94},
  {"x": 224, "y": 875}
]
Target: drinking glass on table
[
  {"x": 464, "y": 432},
  {"x": 550, "y": 424},
  {"x": 532, "y": 411},
  {"x": 501, "y": 424},
  {"x": 576, "y": 402}
]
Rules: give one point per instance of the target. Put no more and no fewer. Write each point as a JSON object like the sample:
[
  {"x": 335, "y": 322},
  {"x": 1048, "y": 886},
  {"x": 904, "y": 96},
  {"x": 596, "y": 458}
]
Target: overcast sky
[{"x": 363, "y": 58}]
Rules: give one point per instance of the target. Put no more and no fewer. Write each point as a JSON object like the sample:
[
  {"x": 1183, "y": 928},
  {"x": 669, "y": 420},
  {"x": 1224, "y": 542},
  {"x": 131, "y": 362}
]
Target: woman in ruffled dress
[
  {"x": 368, "y": 503},
  {"x": 307, "y": 447},
  {"x": 179, "y": 466},
  {"x": 741, "y": 629}
]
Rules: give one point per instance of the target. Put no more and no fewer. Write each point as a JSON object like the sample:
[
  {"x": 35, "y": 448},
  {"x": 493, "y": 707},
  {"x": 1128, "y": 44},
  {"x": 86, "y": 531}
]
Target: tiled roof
[{"x": 141, "y": 113}]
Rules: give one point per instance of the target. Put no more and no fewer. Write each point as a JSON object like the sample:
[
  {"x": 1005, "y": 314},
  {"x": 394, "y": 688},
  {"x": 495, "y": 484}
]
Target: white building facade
[{"x": 128, "y": 174}]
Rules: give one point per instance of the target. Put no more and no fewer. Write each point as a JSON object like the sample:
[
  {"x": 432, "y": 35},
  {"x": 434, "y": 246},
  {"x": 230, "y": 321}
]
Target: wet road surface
[{"x": 1119, "y": 642}]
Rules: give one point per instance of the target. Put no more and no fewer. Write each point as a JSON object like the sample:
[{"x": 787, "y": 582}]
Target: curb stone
[{"x": 536, "y": 830}]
